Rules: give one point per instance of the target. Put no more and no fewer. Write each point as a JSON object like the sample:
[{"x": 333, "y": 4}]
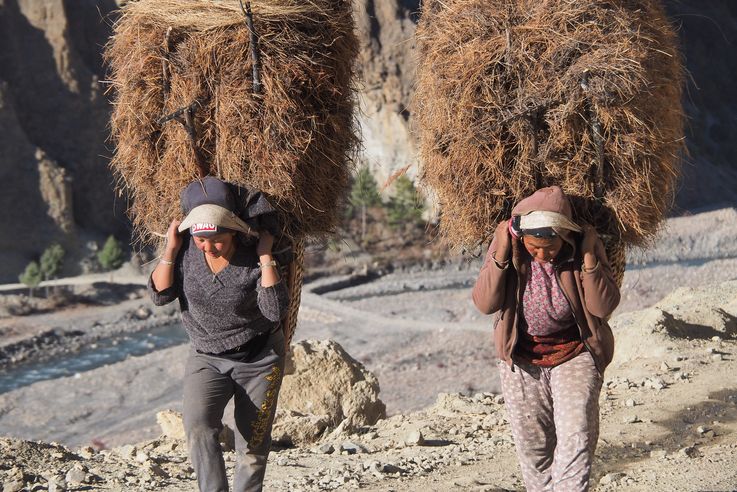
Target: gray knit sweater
[{"x": 225, "y": 310}]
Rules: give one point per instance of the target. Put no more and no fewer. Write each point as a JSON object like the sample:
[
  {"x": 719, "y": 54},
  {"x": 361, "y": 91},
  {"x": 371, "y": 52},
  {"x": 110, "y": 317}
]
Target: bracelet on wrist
[
  {"x": 166, "y": 262},
  {"x": 590, "y": 270},
  {"x": 271, "y": 263},
  {"x": 501, "y": 264}
]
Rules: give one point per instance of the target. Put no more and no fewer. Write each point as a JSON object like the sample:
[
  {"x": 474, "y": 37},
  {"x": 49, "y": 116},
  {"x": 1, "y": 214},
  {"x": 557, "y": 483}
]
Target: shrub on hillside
[
  {"x": 31, "y": 277},
  {"x": 111, "y": 254}
]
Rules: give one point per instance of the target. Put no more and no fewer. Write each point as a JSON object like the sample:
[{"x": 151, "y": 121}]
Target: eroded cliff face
[
  {"x": 56, "y": 185},
  {"x": 53, "y": 127},
  {"x": 387, "y": 67}
]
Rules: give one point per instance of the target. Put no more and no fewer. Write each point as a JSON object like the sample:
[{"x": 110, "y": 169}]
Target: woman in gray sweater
[{"x": 231, "y": 300}]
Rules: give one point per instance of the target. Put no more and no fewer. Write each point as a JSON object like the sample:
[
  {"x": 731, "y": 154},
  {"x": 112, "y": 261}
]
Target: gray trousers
[
  {"x": 209, "y": 383},
  {"x": 554, "y": 414}
]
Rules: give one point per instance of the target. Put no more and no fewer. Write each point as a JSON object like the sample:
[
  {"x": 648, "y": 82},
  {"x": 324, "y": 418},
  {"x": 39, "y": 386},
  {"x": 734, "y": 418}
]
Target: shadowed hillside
[{"x": 54, "y": 114}]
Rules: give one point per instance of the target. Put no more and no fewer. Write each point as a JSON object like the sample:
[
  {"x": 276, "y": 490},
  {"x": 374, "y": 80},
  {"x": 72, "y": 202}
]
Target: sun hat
[{"x": 210, "y": 207}]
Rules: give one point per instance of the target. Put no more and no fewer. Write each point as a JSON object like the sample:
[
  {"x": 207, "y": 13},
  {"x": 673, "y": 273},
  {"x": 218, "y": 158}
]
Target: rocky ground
[
  {"x": 668, "y": 422},
  {"x": 668, "y": 408}
]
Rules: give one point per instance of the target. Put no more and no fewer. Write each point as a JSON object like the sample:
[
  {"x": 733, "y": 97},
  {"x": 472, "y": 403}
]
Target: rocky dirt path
[
  {"x": 668, "y": 422},
  {"x": 116, "y": 404},
  {"x": 668, "y": 410}
]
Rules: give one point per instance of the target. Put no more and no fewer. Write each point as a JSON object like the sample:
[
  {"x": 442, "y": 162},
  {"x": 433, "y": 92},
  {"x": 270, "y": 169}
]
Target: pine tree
[
  {"x": 31, "y": 277},
  {"x": 111, "y": 254},
  {"x": 364, "y": 194},
  {"x": 404, "y": 207},
  {"x": 51, "y": 261}
]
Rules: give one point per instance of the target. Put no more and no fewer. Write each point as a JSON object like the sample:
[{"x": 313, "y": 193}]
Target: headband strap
[{"x": 542, "y": 219}]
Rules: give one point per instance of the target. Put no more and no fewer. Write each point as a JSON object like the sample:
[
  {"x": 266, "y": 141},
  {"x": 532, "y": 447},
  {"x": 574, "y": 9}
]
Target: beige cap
[
  {"x": 217, "y": 215},
  {"x": 543, "y": 218}
]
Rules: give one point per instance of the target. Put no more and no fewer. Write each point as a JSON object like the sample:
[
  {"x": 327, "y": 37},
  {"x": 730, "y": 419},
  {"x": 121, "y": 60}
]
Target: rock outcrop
[
  {"x": 387, "y": 67},
  {"x": 325, "y": 389}
]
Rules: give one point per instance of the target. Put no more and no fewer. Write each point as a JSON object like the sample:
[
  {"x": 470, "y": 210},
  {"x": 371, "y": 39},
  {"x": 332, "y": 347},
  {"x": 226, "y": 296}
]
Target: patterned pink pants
[{"x": 554, "y": 413}]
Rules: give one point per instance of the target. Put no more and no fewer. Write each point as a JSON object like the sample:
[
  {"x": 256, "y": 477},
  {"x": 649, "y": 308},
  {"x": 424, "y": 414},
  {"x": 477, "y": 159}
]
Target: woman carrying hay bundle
[
  {"x": 231, "y": 299},
  {"x": 552, "y": 285}
]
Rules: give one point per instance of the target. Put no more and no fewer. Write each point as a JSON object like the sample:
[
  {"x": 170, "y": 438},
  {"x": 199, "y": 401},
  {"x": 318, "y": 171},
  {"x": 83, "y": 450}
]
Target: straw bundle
[
  {"x": 515, "y": 95},
  {"x": 293, "y": 137}
]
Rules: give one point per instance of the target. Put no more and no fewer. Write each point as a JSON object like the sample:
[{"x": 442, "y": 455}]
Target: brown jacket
[{"x": 593, "y": 296}]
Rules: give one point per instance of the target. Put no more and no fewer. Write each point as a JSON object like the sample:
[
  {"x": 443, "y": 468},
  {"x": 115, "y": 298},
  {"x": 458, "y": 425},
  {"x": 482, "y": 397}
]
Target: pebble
[
  {"x": 658, "y": 453},
  {"x": 654, "y": 383},
  {"x": 326, "y": 448},
  {"x": 372, "y": 466},
  {"x": 389, "y": 468},
  {"x": 350, "y": 447},
  {"x": 717, "y": 357},
  {"x": 128, "y": 451},
  {"x": 156, "y": 471},
  {"x": 142, "y": 313},
  {"x": 86, "y": 452},
  {"x": 76, "y": 475},
  {"x": 56, "y": 484},
  {"x": 414, "y": 438},
  {"x": 630, "y": 403},
  {"x": 664, "y": 367},
  {"x": 632, "y": 419},
  {"x": 611, "y": 478},
  {"x": 688, "y": 451}
]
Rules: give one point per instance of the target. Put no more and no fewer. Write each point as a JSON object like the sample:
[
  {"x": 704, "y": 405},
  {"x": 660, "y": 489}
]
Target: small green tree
[
  {"x": 51, "y": 262},
  {"x": 111, "y": 255},
  {"x": 364, "y": 194},
  {"x": 31, "y": 277},
  {"x": 404, "y": 207}
]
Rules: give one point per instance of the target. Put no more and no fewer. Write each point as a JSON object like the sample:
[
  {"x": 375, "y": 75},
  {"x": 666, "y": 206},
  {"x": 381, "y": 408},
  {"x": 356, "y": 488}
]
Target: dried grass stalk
[
  {"x": 296, "y": 140},
  {"x": 509, "y": 94}
]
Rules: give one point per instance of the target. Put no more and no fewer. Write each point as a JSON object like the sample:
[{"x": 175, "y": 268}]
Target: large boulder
[
  {"x": 324, "y": 389},
  {"x": 323, "y": 380}
]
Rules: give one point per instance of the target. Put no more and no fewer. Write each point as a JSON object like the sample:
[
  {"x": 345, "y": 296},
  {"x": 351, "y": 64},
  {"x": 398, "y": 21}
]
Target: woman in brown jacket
[{"x": 550, "y": 282}]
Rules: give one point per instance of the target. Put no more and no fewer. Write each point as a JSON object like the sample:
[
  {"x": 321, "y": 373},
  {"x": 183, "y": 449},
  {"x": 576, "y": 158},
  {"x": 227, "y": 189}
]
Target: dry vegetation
[
  {"x": 294, "y": 139},
  {"x": 516, "y": 95}
]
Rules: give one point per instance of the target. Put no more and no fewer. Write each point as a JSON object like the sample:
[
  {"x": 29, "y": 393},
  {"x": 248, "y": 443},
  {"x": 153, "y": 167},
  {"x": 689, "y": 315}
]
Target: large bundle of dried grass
[
  {"x": 514, "y": 95},
  {"x": 192, "y": 60}
]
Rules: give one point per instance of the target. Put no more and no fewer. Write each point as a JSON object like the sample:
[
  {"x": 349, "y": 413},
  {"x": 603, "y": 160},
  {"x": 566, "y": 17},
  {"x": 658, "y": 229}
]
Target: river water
[{"x": 101, "y": 353}]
